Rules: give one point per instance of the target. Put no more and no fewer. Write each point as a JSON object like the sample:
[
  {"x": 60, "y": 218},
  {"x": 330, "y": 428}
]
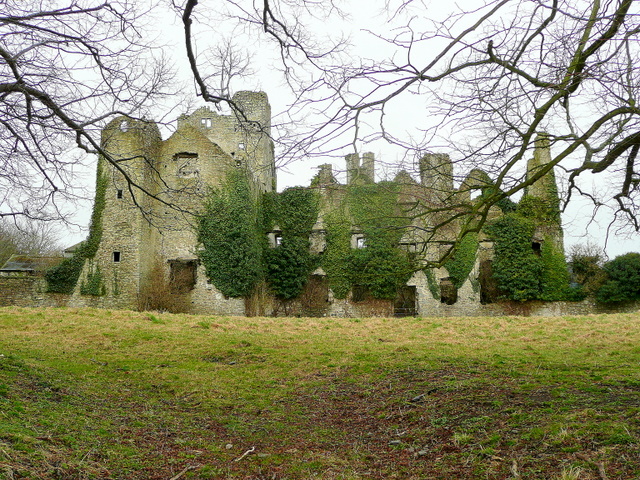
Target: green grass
[{"x": 110, "y": 394}]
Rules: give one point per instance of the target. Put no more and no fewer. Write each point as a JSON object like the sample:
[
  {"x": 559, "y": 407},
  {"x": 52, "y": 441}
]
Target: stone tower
[
  {"x": 360, "y": 172},
  {"x": 436, "y": 174},
  {"x": 245, "y": 135},
  {"x": 153, "y": 192},
  {"x": 545, "y": 190},
  {"x": 123, "y": 256}
]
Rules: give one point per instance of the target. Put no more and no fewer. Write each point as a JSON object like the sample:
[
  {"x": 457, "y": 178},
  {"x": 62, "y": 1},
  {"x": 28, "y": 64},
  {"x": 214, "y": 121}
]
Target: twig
[
  {"x": 184, "y": 470},
  {"x": 599, "y": 465},
  {"x": 84, "y": 457},
  {"x": 601, "y": 471},
  {"x": 514, "y": 469},
  {"x": 252, "y": 449},
  {"x": 6, "y": 454}
]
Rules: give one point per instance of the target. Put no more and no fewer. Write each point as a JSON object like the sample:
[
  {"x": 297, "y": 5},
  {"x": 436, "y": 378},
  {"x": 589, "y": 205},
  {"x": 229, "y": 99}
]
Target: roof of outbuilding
[{"x": 27, "y": 263}]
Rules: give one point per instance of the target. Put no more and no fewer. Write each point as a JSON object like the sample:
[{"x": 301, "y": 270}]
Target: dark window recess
[
  {"x": 182, "y": 277},
  {"x": 315, "y": 297},
  {"x": 181, "y": 155},
  {"x": 359, "y": 293},
  {"x": 489, "y": 291},
  {"x": 119, "y": 194},
  {"x": 116, "y": 257},
  {"x": 537, "y": 248},
  {"x": 448, "y": 292},
  {"x": 405, "y": 303}
]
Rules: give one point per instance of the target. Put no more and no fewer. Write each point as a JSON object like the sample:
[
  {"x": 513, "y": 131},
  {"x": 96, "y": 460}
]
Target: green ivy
[
  {"x": 231, "y": 241},
  {"x": 434, "y": 287},
  {"x": 460, "y": 264},
  {"x": 540, "y": 210},
  {"x": 116, "y": 284},
  {"x": 374, "y": 209},
  {"x": 381, "y": 267},
  {"x": 337, "y": 252},
  {"x": 94, "y": 284},
  {"x": 288, "y": 266},
  {"x": 516, "y": 268},
  {"x": 296, "y": 211},
  {"x": 520, "y": 273},
  {"x": 63, "y": 277},
  {"x": 555, "y": 274}
]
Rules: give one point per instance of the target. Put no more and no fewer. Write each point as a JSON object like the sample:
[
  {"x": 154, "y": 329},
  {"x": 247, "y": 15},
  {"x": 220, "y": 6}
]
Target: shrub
[
  {"x": 157, "y": 295},
  {"x": 586, "y": 262},
  {"x": 623, "y": 282},
  {"x": 288, "y": 267}
]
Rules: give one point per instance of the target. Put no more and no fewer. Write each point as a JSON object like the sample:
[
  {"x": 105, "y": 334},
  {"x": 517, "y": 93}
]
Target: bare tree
[
  {"x": 279, "y": 23},
  {"x": 227, "y": 63},
  {"x": 66, "y": 68},
  {"x": 480, "y": 83},
  {"x": 27, "y": 237}
]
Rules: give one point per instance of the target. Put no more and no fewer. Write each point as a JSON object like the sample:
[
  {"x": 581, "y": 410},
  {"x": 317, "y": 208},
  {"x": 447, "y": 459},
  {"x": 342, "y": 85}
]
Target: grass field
[{"x": 110, "y": 394}]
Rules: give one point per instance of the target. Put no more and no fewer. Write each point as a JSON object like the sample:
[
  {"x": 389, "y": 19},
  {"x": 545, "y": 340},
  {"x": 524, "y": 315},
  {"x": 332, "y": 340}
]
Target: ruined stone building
[{"x": 143, "y": 248}]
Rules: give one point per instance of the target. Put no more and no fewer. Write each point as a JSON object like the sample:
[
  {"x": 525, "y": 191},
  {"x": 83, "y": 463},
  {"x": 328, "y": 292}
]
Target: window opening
[
  {"x": 184, "y": 155},
  {"x": 182, "y": 275},
  {"x": 361, "y": 242},
  {"x": 119, "y": 194},
  {"x": 359, "y": 293},
  {"x": 241, "y": 146},
  {"x": 124, "y": 126},
  {"x": 116, "y": 257},
  {"x": 410, "y": 247},
  {"x": 278, "y": 240},
  {"x": 489, "y": 292},
  {"x": 537, "y": 248},
  {"x": 206, "y": 122},
  {"x": 404, "y": 304},
  {"x": 448, "y": 292}
]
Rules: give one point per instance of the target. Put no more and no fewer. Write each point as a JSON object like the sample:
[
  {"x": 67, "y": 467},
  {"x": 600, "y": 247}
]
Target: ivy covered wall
[
  {"x": 63, "y": 277},
  {"x": 231, "y": 240},
  {"x": 237, "y": 255},
  {"x": 529, "y": 261},
  {"x": 372, "y": 211},
  {"x": 294, "y": 212}
]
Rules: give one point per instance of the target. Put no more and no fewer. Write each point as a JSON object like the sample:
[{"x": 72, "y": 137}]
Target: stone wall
[
  {"x": 29, "y": 291},
  {"x": 24, "y": 291}
]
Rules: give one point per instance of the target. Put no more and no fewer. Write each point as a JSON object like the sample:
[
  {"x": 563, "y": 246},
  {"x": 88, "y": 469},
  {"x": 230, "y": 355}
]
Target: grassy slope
[{"x": 108, "y": 394}]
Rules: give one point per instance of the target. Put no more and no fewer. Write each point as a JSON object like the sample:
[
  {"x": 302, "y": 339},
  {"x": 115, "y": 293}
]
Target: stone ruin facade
[{"x": 148, "y": 238}]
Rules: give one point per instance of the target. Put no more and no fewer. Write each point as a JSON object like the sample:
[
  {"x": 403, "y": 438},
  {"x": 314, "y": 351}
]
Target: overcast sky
[{"x": 359, "y": 26}]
